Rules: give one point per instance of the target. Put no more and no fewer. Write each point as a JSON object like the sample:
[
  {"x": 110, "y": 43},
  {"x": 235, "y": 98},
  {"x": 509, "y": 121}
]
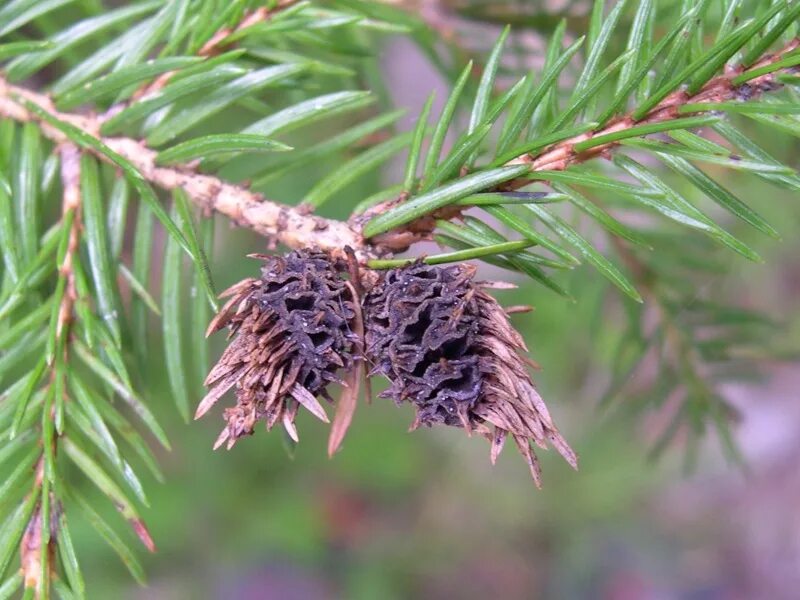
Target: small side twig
[
  {"x": 563, "y": 154},
  {"x": 40, "y": 537},
  {"x": 71, "y": 202},
  {"x": 216, "y": 43}
]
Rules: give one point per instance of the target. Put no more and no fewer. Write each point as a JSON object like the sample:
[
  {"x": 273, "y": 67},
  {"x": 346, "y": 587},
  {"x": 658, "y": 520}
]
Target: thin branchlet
[
  {"x": 562, "y": 155},
  {"x": 70, "y": 177},
  {"x": 215, "y": 44},
  {"x": 33, "y": 547}
]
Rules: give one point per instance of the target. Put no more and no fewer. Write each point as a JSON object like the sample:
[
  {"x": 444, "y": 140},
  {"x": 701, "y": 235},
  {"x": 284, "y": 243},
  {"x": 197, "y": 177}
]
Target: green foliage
[{"x": 75, "y": 411}]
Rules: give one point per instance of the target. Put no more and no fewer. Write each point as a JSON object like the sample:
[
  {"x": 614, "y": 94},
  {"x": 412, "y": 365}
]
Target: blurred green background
[{"x": 423, "y": 514}]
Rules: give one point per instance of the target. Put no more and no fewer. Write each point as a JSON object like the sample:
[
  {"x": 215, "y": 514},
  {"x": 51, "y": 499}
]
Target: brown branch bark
[
  {"x": 719, "y": 89},
  {"x": 291, "y": 226},
  {"x": 71, "y": 201}
]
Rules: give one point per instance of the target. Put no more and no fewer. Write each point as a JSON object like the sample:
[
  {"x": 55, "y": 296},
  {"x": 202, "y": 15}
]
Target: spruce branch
[
  {"x": 736, "y": 85},
  {"x": 732, "y": 86},
  {"x": 291, "y": 226},
  {"x": 62, "y": 406},
  {"x": 295, "y": 227},
  {"x": 45, "y": 533},
  {"x": 687, "y": 368},
  {"x": 70, "y": 208},
  {"x": 37, "y": 549},
  {"x": 213, "y": 46}
]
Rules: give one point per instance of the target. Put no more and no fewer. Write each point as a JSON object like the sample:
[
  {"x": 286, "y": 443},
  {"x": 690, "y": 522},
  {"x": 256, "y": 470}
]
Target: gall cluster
[{"x": 444, "y": 345}]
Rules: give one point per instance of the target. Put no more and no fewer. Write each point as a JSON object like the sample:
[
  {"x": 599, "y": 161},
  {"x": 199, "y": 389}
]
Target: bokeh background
[{"x": 423, "y": 514}]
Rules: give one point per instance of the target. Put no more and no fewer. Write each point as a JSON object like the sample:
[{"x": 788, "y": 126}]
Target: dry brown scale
[{"x": 292, "y": 331}]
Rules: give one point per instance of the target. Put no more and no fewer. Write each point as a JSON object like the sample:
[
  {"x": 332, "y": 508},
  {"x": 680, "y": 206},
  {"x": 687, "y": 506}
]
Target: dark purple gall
[
  {"x": 292, "y": 331},
  {"x": 448, "y": 348}
]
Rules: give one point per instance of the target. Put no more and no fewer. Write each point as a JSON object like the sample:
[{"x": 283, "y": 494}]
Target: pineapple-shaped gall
[
  {"x": 292, "y": 332},
  {"x": 448, "y": 348}
]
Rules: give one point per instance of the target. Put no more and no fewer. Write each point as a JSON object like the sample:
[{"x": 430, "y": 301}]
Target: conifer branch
[
  {"x": 70, "y": 178},
  {"x": 37, "y": 549},
  {"x": 179, "y": 65},
  {"x": 563, "y": 154},
  {"x": 717, "y": 91},
  {"x": 291, "y": 226},
  {"x": 680, "y": 353},
  {"x": 214, "y": 45},
  {"x": 295, "y": 227}
]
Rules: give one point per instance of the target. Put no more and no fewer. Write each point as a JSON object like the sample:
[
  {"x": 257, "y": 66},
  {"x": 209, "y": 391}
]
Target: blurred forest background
[{"x": 423, "y": 514}]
